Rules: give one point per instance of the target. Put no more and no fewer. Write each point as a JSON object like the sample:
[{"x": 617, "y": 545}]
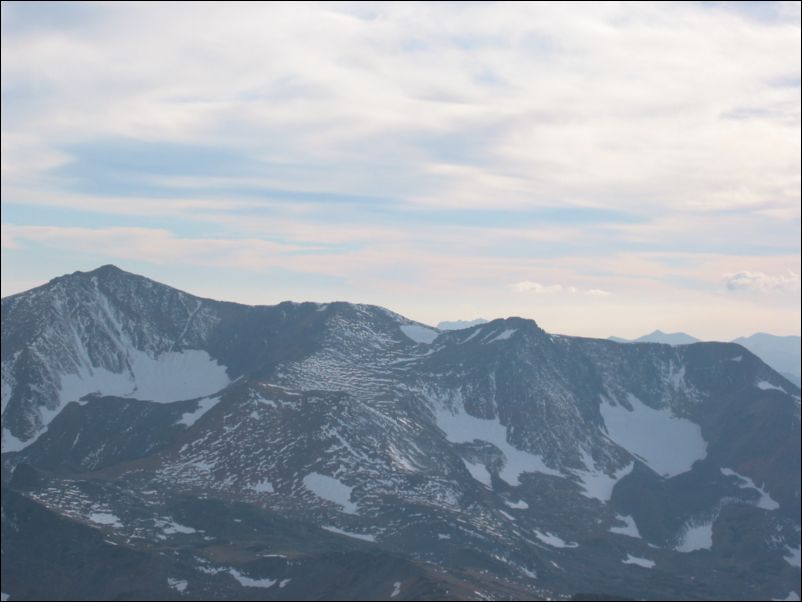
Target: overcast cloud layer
[{"x": 602, "y": 168}]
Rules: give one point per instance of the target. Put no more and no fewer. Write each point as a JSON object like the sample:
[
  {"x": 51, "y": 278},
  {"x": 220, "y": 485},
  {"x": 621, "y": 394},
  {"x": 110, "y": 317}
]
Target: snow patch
[
  {"x": 105, "y": 518},
  {"x": 349, "y": 533},
  {"x": 171, "y": 376},
  {"x": 419, "y": 334},
  {"x": 263, "y": 486},
  {"x": 7, "y": 381},
  {"x": 168, "y": 377},
  {"x": 766, "y": 385},
  {"x": 596, "y": 484},
  {"x": 246, "y": 581},
  {"x": 283, "y": 583},
  {"x": 11, "y": 444},
  {"x": 521, "y": 505},
  {"x": 91, "y": 379},
  {"x": 170, "y": 527},
  {"x": 666, "y": 443},
  {"x": 696, "y": 537},
  {"x": 766, "y": 501},
  {"x": 396, "y": 589},
  {"x": 400, "y": 460},
  {"x": 644, "y": 562},
  {"x": 789, "y": 598},
  {"x": 676, "y": 378},
  {"x": 3, "y": 596},
  {"x": 470, "y": 336},
  {"x": 503, "y": 336},
  {"x": 464, "y": 428},
  {"x": 554, "y": 541},
  {"x": 479, "y": 472},
  {"x": 210, "y": 570},
  {"x": 178, "y": 585},
  {"x": 630, "y": 528},
  {"x": 204, "y": 405},
  {"x": 331, "y": 489}
]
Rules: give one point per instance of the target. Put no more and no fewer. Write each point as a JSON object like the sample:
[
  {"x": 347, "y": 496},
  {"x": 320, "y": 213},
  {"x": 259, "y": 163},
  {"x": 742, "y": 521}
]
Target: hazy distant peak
[
  {"x": 780, "y": 352},
  {"x": 668, "y": 338},
  {"x": 460, "y": 324},
  {"x": 765, "y": 336},
  {"x": 658, "y": 336}
]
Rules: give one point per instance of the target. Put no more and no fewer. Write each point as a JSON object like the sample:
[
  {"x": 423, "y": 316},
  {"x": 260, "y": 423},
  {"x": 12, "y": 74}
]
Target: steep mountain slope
[
  {"x": 295, "y": 443},
  {"x": 102, "y": 331}
]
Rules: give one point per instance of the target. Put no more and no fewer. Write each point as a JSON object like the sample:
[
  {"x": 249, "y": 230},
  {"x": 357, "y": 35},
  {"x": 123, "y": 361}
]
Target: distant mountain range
[
  {"x": 460, "y": 324},
  {"x": 159, "y": 445},
  {"x": 658, "y": 336},
  {"x": 780, "y": 352}
]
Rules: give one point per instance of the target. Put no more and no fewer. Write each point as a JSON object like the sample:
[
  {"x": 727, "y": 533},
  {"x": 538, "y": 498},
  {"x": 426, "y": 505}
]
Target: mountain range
[
  {"x": 780, "y": 352},
  {"x": 460, "y": 324},
  {"x": 158, "y": 445}
]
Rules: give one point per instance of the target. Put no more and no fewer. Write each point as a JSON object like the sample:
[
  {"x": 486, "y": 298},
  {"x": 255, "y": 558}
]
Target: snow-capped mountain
[{"x": 343, "y": 451}]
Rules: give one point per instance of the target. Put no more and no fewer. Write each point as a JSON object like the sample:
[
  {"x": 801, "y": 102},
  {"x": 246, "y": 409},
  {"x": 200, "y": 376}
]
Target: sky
[{"x": 603, "y": 168}]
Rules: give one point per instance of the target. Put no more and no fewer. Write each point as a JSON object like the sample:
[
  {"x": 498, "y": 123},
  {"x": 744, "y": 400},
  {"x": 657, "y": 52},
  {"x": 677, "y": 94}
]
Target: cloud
[
  {"x": 762, "y": 282},
  {"x": 640, "y": 148},
  {"x": 511, "y": 105},
  {"x": 527, "y": 286}
]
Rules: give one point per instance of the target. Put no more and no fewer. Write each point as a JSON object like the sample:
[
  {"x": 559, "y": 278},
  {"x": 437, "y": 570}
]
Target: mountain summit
[{"x": 339, "y": 450}]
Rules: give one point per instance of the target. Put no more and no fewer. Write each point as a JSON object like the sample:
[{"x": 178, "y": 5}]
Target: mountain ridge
[
  {"x": 498, "y": 459},
  {"x": 781, "y": 352}
]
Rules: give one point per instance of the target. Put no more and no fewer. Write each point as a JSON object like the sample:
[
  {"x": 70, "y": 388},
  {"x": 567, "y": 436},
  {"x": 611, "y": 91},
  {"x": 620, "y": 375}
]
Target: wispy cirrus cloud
[{"x": 514, "y": 104}]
